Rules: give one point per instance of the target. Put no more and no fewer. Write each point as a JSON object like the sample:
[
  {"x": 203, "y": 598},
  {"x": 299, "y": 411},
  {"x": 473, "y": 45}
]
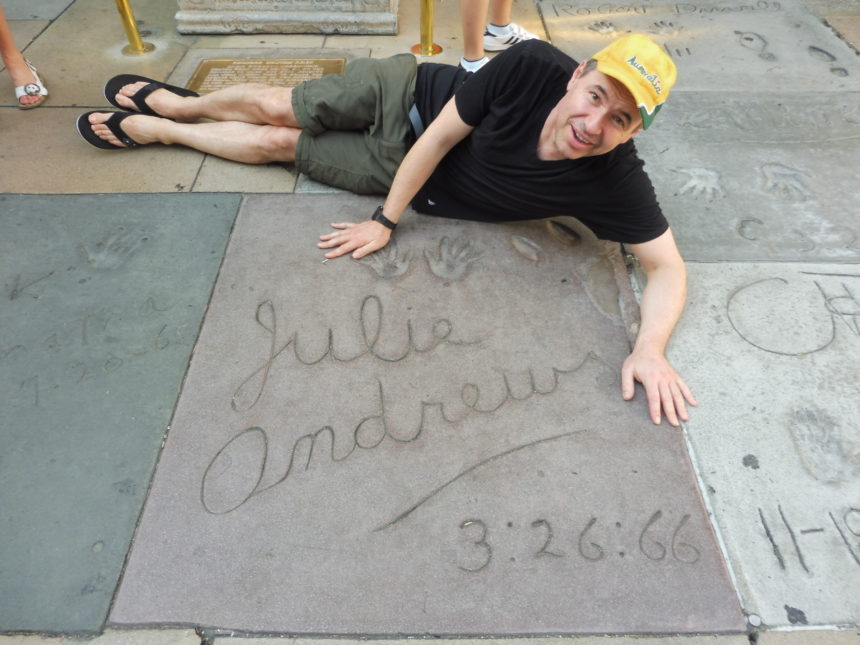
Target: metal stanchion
[
  {"x": 136, "y": 46},
  {"x": 426, "y": 47}
]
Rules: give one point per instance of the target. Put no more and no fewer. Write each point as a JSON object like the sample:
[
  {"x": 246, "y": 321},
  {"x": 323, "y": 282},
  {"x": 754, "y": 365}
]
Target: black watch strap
[{"x": 382, "y": 219}]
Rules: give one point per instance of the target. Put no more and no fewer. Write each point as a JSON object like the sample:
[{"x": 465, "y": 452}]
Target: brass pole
[
  {"x": 426, "y": 47},
  {"x": 136, "y": 46}
]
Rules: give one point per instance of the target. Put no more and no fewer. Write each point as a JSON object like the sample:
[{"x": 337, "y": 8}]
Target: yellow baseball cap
[{"x": 644, "y": 68}]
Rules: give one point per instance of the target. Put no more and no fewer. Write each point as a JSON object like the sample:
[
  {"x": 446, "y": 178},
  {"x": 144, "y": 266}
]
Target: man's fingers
[
  {"x": 627, "y": 386},
  {"x": 367, "y": 249},
  {"x": 667, "y": 395},
  {"x": 655, "y": 402},
  {"x": 688, "y": 394}
]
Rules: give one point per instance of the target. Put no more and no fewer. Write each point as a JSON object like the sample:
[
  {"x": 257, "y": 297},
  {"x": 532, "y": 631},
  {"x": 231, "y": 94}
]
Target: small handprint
[
  {"x": 702, "y": 182},
  {"x": 115, "y": 249},
  {"x": 827, "y": 454},
  {"x": 785, "y": 181},
  {"x": 453, "y": 259},
  {"x": 755, "y": 42},
  {"x": 664, "y": 28},
  {"x": 603, "y": 27},
  {"x": 387, "y": 262}
]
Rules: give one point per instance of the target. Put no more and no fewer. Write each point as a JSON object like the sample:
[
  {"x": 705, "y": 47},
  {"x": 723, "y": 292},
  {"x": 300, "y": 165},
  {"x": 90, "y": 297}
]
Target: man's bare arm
[
  {"x": 662, "y": 303},
  {"x": 362, "y": 238}
]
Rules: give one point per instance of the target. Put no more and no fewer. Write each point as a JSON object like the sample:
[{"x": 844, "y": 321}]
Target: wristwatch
[{"x": 382, "y": 219}]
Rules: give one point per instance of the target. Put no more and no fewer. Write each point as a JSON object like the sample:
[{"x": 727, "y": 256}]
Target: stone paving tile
[
  {"x": 771, "y": 350},
  {"x": 447, "y": 31},
  {"x": 222, "y": 176},
  {"x": 809, "y": 638},
  {"x": 728, "y": 639},
  {"x": 102, "y": 300},
  {"x": 113, "y": 637},
  {"x": 759, "y": 176},
  {"x": 767, "y": 45},
  {"x": 29, "y": 10},
  {"x": 848, "y": 26},
  {"x": 410, "y": 445},
  {"x": 82, "y": 49},
  {"x": 76, "y": 166}
]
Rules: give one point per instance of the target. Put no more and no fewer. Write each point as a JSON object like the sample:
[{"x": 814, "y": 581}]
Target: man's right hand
[{"x": 360, "y": 239}]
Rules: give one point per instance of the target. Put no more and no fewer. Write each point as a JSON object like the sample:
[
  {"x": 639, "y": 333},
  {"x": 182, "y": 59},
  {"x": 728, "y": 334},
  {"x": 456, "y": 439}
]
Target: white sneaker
[{"x": 514, "y": 34}]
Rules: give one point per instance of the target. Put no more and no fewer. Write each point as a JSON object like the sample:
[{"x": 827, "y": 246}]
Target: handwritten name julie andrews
[{"x": 370, "y": 431}]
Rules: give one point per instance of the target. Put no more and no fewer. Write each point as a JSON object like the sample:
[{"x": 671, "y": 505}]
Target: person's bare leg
[
  {"x": 237, "y": 141},
  {"x": 500, "y": 12},
  {"x": 473, "y": 14},
  {"x": 13, "y": 60},
  {"x": 248, "y": 103}
]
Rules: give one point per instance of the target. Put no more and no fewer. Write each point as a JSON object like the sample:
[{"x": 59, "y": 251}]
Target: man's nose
[{"x": 594, "y": 121}]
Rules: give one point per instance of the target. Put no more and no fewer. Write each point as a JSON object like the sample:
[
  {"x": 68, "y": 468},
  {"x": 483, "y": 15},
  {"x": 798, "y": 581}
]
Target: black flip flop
[
  {"x": 85, "y": 129},
  {"x": 114, "y": 85}
]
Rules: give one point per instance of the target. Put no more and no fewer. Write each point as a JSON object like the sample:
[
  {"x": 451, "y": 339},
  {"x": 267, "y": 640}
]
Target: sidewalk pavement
[{"x": 109, "y": 262}]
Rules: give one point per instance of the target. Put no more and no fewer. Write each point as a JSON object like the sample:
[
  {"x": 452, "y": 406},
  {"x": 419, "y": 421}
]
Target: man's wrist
[{"x": 382, "y": 219}]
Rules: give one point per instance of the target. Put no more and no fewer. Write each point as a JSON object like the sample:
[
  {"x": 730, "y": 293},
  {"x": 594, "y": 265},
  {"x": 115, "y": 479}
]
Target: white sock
[
  {"x": 499, "y": 31},
  {"x": 473, "y": 65}
]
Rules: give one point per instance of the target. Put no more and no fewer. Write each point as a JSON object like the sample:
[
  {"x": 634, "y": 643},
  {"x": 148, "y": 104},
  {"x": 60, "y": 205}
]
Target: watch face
[{"x": 31, "y": 89}]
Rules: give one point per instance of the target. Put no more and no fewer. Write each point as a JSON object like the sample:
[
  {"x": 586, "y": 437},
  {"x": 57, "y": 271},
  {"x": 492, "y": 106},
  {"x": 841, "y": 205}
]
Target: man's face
[{"x": 595, "y": 115}]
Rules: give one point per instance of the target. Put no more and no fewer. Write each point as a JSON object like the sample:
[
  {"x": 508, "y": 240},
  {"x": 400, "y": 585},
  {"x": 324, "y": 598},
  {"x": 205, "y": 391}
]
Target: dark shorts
[{"x": 355, "y": 125}]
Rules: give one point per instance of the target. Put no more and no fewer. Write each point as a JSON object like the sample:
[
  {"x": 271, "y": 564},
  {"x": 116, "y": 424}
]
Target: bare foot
[
  {"x": 161, "y": 101},
  {"x": 138, "y": 127}
]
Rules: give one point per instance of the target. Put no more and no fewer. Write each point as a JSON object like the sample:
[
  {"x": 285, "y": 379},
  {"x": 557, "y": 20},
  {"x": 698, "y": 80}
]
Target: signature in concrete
[
  {"x": 478, "y": 541},
  {"x": 370, "y": 322},
  {"x": 839, "y": 308},
  {"x": 368, "y": 433}
]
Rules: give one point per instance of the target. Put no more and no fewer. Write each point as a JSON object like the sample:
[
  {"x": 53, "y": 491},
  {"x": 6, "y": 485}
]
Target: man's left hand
[
  {"x": 664, "y": 388},
  {"x": 360, "y": 239}
]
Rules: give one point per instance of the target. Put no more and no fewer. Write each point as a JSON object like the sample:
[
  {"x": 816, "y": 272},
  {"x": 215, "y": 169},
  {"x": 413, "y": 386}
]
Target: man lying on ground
[{"x": 531, "y": 135}]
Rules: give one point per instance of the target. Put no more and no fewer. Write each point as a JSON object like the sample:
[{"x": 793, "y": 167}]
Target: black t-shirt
[{"x": 495, "y": 174}]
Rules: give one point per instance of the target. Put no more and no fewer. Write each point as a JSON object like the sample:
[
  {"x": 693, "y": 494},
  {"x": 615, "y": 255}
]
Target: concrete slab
[
  {"x": 102, "y": 300},
  {"x": 114, "y": 637},
  {"x": 222, "y": 176},
  {"x": 805, "y": 637},
  {"x": 91, "y": 27},
  {"x": 28, "y": 10},
  {"x": 767, "y": 45},
  {"x": 759, "y": 176},
  {"x": 305, "y": 184},
  {"x": 771, "y": 351},
  {"x": 447, "y": 32},
  {"x": 567, "y": 640},
  {"x": 38, "y": 140},
  {"x": 847, "y": 26},
  {"x": 431, "y": 441}
]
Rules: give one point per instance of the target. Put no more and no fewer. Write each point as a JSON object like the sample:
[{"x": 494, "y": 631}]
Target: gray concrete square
[
  {"x": 102, "y": 300},
  {"x": 428, "y": 441},
  {"x": 29, "y": 10},
  {"x": 772, "y": 352},
  {"x": 759, "y": 176},
  {"x": 719, "y": 46}
]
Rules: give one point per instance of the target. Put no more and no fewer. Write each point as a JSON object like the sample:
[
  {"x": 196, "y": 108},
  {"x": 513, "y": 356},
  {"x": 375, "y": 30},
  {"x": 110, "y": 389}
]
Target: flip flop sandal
[
  {"x": 85, "y": 129},
  {"x": 31, "y": 89},
  {"x": 114, "y": 85}
]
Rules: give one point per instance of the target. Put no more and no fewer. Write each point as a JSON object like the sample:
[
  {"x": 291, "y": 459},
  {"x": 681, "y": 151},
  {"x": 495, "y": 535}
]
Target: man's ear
[{"x": 576, "y": 74}]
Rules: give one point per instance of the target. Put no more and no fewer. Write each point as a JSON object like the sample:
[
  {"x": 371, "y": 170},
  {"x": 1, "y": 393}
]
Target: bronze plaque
[{"x": 216, "y": 73}]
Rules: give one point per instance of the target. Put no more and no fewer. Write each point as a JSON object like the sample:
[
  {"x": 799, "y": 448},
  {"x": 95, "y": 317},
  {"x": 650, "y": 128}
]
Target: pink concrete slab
[
  {"x": 430, "y": 441},
  {"x": 42, "y": 152}
]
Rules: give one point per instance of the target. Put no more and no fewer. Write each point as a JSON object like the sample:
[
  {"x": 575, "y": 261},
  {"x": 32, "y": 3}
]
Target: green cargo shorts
[{"x": 355, "y": 125}]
